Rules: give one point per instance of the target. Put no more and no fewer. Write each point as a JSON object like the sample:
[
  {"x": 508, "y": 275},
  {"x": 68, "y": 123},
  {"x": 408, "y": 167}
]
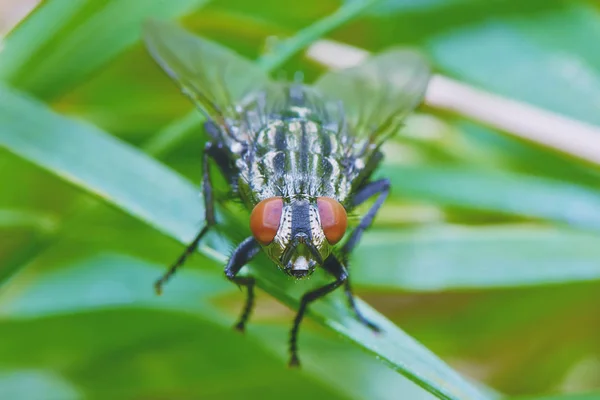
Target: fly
[{"x": 300, "y": 157}]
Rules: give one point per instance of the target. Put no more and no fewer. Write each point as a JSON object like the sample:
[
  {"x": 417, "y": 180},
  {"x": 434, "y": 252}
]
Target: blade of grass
[
  {"x": 573, "y": 396},
  {"x": 517, "y": 119},
  {"x": 450, "y": 258},
  {"x": 137, "y": 184},
  {"x": 195, "y": 294},
  {"x": 523, "y": 58},
  {"x": 508, "y": 193},
  {"x": 290, "y": 47},
  {"x": 14, "y": 218},
  {"x": 63, "y": 41}
]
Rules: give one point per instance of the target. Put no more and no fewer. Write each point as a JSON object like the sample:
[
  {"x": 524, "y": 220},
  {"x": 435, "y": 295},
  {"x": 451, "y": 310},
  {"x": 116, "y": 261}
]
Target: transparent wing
[
  {"x": 378, "y": 93},
  {"x": 215, "y": 77}
]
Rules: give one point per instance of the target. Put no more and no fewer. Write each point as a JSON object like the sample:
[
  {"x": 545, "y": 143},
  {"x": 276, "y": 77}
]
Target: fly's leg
[
  {"x": 357, "y": 312},
  {"x": 240, "y": 257},
  {"x": 209, "y": 216},
  {"x": 381, "y": 188},
  {"x": 334, "y": 267}
]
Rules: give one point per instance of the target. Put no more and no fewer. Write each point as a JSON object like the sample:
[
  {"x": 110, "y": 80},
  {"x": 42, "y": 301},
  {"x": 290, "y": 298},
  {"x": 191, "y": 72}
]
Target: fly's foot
[
  {"x": 370, "y": 325},
  {"x": 158, "y": 287},
  {"x": 294, "y": 361},
  {"x": 240, "y": 327},
  {"x": 373, "y": 327}
]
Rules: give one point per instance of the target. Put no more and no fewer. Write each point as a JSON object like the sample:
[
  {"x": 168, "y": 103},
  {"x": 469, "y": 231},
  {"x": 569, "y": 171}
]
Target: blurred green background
[{"x": 487, "y": 252}]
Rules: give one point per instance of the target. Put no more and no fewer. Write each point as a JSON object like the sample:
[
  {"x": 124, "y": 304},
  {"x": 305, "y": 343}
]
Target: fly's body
[
  {"x": 293, "y": 157},
  {"x": 294, "y": 146},
  {"x": 294, "y": 150},
  {"x": 298, "y": 156}
]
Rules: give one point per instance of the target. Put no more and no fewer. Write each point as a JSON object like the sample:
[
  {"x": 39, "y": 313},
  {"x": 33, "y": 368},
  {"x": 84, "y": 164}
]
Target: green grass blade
[
  {"x": 574, "y": 396},
  {"x": 451, "y": 258},
  {"x": 501, "y": 192},
  {"x": 195, "y": 295},
  {"x": 137, "y": 184},
  {"x": 290, "y": 47},
  {"x": 488, "y": 51},
  {"x": 15, "y": 218},
  {"x": 35, "y": 32},
  {"x": 63, "y": 41}
]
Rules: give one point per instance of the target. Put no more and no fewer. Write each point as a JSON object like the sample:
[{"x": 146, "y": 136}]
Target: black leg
[
  {"x": 329, "y": 265},
  {"x": 209, "y": 216},
  {"x": 240, "y": 257},
  {"x": 357, "y": 312},
  {"x": 340, "y": 274},
  {"x": 382, "y": 188}
]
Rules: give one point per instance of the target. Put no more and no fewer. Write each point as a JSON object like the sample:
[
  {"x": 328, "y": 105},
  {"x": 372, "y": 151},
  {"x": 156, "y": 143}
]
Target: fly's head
[{"x": 298, "y": 234}]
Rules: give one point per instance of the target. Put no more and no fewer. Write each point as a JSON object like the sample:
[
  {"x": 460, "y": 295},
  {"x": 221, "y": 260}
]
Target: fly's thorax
[
  {"x": 293, "y": 158},
  {"x": 298, "y": 234}
]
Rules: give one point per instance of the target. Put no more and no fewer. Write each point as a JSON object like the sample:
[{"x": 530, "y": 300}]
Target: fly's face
[{"x": 298, "y": 234}]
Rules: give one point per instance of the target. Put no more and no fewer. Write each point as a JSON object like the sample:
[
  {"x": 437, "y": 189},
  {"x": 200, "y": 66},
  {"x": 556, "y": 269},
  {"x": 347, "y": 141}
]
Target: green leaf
[
  {"x": 63, "y": 41},
  {"x": 34, "y": 384},
  {"x": 92, "y": 289},
  {"x": 497, "y": 191},
  {"x": 574, "y": 396},
  {"x": 450, "y": 258},
  {"x": 140, "y": 186},
  {"x": 521, "y": 57},
  {"x": 11, "y": 218}
]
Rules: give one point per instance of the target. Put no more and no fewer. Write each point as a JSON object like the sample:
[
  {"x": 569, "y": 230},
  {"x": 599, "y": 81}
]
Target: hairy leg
[
  {"x": 381, "y": 188},
  {"x": 240, "y": 257},
  {"x": 340, "y": 274}
]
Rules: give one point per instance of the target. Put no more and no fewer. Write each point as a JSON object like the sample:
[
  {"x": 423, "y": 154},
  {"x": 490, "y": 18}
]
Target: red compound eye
[
  {"x": 333, "y": 219},
  {"x": 264, "y": 220}
]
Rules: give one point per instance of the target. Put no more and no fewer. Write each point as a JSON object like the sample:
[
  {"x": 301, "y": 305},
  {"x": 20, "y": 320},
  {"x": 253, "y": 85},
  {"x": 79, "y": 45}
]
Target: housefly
[{"x": 299, "y": 157}]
